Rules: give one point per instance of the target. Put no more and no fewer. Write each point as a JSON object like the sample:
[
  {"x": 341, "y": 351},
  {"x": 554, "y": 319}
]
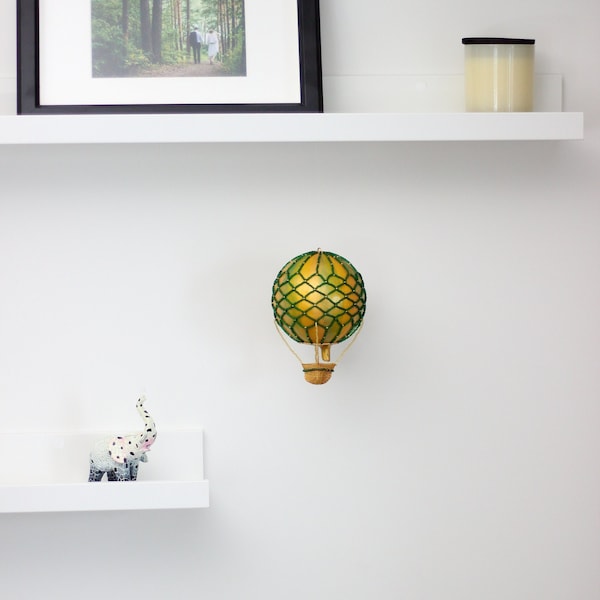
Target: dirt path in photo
[{"x": 204, "y": 69}]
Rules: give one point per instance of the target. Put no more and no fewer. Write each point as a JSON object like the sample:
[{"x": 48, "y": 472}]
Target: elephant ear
[{"x": 116, "y": 449}]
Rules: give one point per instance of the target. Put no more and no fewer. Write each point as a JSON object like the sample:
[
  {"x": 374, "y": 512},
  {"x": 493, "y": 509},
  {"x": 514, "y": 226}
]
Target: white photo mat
[{"x": 272, "y": 62}]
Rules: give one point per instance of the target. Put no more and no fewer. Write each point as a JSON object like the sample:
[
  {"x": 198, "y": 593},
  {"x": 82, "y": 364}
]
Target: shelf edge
[
  {"x": 104, "y": 496},
  {"x": 316, "y": 127}
]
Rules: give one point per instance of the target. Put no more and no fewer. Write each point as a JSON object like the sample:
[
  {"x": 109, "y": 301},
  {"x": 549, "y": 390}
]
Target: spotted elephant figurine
[{"x": 119, "y": 456}]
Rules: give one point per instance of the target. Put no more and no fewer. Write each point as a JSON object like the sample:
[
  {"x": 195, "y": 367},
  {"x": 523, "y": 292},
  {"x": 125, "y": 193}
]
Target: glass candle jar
[{"x": 498, "y": 74}]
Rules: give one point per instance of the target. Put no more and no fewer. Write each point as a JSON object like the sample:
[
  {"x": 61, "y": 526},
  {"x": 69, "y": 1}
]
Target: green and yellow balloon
[{"x": 319, "y": 298}]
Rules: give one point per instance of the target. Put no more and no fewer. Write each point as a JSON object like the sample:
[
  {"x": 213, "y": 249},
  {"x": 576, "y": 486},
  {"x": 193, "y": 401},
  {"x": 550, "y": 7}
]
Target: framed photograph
[{"x": 168, "y": 56}]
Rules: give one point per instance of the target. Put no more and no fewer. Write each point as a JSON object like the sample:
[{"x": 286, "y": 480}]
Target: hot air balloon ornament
[{"x": 319, "y": 298}]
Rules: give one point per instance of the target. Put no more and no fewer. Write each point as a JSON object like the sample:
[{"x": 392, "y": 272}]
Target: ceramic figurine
[{"x": 119, "y": 456}]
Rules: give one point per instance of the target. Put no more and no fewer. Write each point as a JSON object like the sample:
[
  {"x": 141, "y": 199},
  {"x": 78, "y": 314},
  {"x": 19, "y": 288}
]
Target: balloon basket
[{"x": 318, "y": 373}]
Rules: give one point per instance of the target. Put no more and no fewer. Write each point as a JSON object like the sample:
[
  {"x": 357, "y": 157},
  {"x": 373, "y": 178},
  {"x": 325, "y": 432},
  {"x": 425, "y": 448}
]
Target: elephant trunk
[{"x": 148, "y": 435}]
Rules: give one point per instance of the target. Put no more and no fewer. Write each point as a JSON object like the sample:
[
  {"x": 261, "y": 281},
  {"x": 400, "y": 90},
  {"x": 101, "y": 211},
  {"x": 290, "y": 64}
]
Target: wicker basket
[{"x": 318, "y": 373}]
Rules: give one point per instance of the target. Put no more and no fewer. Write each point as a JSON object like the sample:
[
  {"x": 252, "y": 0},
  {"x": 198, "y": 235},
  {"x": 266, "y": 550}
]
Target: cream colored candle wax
[{"x": 499, "y": 74}]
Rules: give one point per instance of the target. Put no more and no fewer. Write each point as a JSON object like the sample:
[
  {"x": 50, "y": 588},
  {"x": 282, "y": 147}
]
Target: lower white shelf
[
  {"x": 51, "y": 475},
  {"x": 117, "y": 495}
]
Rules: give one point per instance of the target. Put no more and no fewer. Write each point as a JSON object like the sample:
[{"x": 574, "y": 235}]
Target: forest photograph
[{"x": 168, "y": 38}]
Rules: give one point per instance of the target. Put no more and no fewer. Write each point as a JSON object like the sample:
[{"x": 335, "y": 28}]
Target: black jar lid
[{"x": 493, "y": 40}]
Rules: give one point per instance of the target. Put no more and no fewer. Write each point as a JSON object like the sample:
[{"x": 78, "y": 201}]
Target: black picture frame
[{"x": 28, "y": 74}]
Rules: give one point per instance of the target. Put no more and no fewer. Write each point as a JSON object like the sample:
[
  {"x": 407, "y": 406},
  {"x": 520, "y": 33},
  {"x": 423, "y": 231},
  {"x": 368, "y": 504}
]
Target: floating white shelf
[
  {"x": 324, "y": 127},
  {"x": 51, "y": 475},
  {"x": 124, "y": 495}
]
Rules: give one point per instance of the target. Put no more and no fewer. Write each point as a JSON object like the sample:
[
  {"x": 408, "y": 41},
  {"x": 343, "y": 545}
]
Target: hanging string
[
  {"x": 285, "y": 342},
  {"x": 316, "y": 345},
  {"x": 351, "y": 342}
]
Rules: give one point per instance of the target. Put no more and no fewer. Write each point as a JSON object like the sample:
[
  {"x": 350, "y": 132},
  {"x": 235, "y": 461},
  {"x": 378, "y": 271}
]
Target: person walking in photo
[
  {"x": 196, "y": 42},
  {"x": 212, "y": 39}
]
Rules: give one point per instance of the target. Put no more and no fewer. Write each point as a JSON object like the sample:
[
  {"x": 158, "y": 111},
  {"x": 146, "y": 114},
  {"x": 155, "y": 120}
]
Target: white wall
[{"x": 454, "y": 454}]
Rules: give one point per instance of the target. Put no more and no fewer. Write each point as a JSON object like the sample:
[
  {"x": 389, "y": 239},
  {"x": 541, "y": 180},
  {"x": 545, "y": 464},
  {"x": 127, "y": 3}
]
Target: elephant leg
[
  {"x": 133, "y": 471},
  {"x": 95, "y": 473},
  {"x": 120, "y": 473}
]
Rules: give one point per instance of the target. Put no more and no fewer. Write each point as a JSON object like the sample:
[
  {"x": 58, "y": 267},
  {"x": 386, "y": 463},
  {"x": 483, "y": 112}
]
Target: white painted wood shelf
[
  {"x": 323, "y": 127},
  {"x": 51, "y": 475}
]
